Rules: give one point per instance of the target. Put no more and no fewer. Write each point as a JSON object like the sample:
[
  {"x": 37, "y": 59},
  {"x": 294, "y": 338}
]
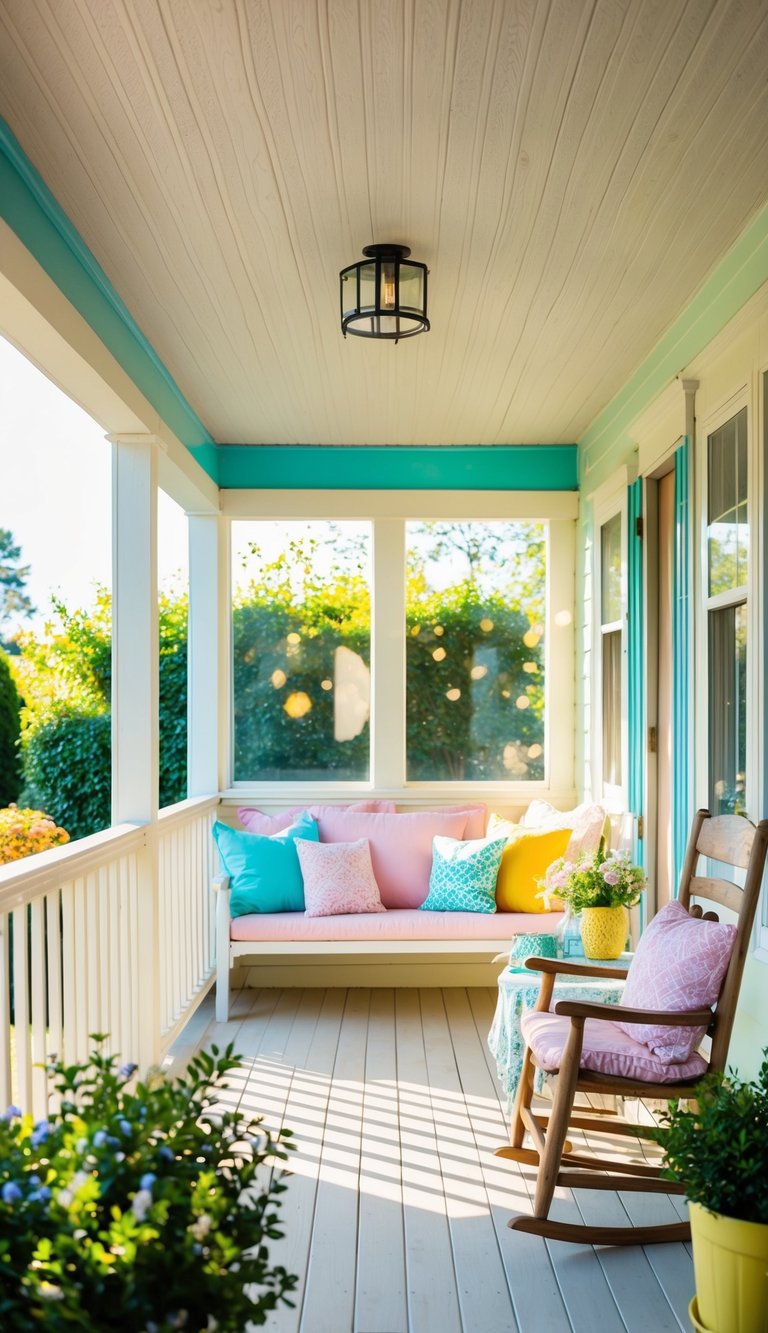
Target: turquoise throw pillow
[
  {"x": 265, "y": 871},
  {"x": 463, "y": 877}
]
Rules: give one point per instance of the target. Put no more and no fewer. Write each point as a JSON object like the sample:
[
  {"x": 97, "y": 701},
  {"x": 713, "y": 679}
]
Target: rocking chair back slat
[
  {"x": 726, "y": 838},
  {"x": 721, "y": 891}
]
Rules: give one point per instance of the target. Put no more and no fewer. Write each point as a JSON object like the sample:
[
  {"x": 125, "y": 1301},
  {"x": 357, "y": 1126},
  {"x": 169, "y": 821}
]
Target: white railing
[
  {"x": 186, "y": 910},
  {"x": 110, "y": 934}
]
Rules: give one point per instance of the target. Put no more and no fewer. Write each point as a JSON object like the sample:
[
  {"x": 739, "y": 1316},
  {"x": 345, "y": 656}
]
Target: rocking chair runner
[{"x": 566, "y": 1047}]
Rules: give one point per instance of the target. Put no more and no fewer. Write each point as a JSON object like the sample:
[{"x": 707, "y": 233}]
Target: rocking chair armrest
[
  {"x": 619, "y": 1013},
  {"x": 560, "y": 966}
]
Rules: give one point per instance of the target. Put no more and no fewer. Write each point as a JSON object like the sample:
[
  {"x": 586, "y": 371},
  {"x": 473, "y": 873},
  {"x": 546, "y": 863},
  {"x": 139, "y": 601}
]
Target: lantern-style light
[{"x": 385, "y": 295}]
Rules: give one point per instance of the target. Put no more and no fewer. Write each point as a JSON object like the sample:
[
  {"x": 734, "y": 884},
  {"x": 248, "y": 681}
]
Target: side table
[{"x": 518, "y": 991}]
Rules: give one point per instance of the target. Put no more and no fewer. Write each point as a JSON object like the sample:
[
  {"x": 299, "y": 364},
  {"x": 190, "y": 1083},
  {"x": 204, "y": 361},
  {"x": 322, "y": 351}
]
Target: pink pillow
[
  {"x": 401, "y": 847},
  {"x": 255, "y": 821},
  {"x": 679, "y": 964},
  {"x": 338, "y": 878},
  {"x": 477, "y": 818}
]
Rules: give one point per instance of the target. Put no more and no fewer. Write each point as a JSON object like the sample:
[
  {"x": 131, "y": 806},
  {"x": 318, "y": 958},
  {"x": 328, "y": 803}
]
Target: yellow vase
[
  {"x": 730, "y": 1264},
  {"x": 603, "y": 931}
]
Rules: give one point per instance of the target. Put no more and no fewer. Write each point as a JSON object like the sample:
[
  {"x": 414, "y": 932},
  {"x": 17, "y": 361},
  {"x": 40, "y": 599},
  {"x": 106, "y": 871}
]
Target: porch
[{"x": 396, "y": 1213}]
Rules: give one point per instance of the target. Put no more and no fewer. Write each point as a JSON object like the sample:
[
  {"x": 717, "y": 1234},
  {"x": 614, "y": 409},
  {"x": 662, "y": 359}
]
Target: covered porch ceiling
[{"x": 571, "y": 172}]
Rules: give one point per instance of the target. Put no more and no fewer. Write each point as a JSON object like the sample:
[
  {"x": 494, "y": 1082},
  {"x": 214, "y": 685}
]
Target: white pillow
[{"x": 587, "y": 822}]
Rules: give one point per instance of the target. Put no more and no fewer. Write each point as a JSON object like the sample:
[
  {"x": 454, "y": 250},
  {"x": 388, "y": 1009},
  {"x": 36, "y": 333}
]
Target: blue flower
[
  {"x": 39, "y": 1133},
  {"x": 12, "y": 1113},
  {"x": 40, "y": 1196},
  {"x": 167, "y": 1154},
  {"x": 127, "y": 1070},
  {"x": 100, "y": 1138},
  {"x": 10, "y": 1193},
  {"x": 147, "y": 1180},
  {"x": 126, "y": 1127}
]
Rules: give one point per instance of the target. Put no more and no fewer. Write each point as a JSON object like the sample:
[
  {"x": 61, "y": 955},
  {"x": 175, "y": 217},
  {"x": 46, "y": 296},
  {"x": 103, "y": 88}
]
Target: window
[
  {"x": 611, "y": 650},
  {"x": 475, "y": 609},
  {"x": 301, "y": 636},
  {"x": 401, "y": 643},
  {"x": 727, "y": 573}
]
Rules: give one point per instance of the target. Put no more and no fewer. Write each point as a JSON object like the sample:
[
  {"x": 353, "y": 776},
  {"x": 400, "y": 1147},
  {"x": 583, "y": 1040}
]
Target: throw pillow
[
  {"x": 586, "y": 822},
  {"x": 265, "y": 871},
  {"x": 338, "y": 878},
  {"x": 401, "y": 847},
  {"x": 256, "y": 821},
  {"x": 477, "y": 816},
  {"x": 463, "y": 877},
  {"x": 679, "y": 964},
  {"x": 526, "y": 857}
]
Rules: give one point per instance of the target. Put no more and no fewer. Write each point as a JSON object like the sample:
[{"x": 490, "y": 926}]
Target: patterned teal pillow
[{"x": 463, "y": 877}]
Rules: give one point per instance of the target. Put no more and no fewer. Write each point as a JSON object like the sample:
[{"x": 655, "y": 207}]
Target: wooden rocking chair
[{"x": 728, "y": 839}]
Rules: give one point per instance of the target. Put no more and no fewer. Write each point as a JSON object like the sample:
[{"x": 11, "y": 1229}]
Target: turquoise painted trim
[
  {"x": 682, "y": 640},
  {"x": 523, "y": 467},
  {"x": 32, "y": 212},
  {"x": 635, "y": 659},
  {"x": 739, "y": 275}
]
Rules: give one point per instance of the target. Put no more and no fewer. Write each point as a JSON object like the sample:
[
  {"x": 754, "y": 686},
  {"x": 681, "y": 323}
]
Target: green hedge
[{"x": 10, "y": 759}]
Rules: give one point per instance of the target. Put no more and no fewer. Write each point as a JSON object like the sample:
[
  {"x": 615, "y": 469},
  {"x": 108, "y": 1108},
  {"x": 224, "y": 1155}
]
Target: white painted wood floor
[{"x": 396, "y": 1213}]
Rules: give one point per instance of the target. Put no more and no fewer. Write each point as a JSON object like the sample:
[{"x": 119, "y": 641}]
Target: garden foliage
[
  {"x": 139, "y": 1206},
  {"x": 24, "y": 831},
  {"x": 10, "y": 705}
]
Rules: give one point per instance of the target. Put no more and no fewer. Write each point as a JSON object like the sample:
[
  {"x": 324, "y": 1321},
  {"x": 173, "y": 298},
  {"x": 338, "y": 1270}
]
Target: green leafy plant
[
  {"x": 603, "y": 880},
  {"x": 10, "y": 727},
  {"x": 139, "y": 1206},
  {"x": 718, "y": 1147}
]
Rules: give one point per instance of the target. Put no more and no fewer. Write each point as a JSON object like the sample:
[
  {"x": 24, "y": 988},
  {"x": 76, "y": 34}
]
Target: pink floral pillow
[
  {"x": 256, "y": 821},
  {"x": 338, "y": 878},
  {"x": 679, "y": 964}
]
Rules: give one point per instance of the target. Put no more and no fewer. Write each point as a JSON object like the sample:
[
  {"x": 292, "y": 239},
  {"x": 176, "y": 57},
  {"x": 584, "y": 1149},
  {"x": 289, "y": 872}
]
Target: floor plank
[{"x": 396, "y": 1210}]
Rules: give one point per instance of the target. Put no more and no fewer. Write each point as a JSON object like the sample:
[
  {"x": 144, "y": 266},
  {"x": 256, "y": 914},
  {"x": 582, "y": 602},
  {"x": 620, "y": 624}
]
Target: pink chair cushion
[
  {"x": 338, "y": 878},
  {"x": 401, "y": 847},
  {"x": 679, "y": 964},
  {"x": 607, "y": 1050},
  {"x": 256, "y": 821}
]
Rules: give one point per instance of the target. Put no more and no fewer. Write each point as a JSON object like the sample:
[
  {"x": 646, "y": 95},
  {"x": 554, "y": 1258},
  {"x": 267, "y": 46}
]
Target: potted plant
[
  {"x": 717, "y": 1148},
  {"x": 600, "y": 888},
  {"x": 138, "y": 1206}
]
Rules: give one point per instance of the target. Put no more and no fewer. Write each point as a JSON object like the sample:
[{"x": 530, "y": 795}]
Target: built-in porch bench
[{"x": 402, "y": 934}]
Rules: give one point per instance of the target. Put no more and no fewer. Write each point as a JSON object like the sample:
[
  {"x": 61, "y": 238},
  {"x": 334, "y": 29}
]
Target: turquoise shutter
[
  {"x": 682, "y": 702},
  {"x": 635, "y": 659}
]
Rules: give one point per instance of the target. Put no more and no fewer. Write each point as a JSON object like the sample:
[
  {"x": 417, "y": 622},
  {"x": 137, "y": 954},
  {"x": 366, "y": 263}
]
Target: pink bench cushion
[
  {"x": 606, "y": 1050},
  {"x": 401, "y": 846},
  {"x": 256, "y": 821},
  {"x": 396, "y": 924}
]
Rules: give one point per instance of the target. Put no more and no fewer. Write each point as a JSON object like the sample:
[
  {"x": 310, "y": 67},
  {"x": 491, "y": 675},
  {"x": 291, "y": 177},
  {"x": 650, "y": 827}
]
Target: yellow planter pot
[
  {"x": 603, "y": 931},
  {"x": 730, "y": 1264}
]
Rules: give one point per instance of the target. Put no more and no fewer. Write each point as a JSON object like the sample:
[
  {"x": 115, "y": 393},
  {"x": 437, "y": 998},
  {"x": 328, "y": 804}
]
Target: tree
[
  {"x": 13, "y": 578},
  {"x": 10, "y": 727}
]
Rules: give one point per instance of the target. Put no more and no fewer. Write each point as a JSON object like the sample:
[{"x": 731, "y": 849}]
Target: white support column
[
  {"x": 388, "y": 656},
  {"x": 135, "y": 690},
  {"x": 206, "y": 685}
]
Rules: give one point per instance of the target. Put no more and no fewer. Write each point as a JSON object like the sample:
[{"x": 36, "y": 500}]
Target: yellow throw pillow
[{"x": 524, "y": 862}]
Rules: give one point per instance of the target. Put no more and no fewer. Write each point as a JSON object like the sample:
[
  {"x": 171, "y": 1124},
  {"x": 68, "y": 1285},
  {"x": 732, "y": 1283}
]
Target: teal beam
[
  {"x": 32, "y": 212},
  {"x": 522, "y": 467}
]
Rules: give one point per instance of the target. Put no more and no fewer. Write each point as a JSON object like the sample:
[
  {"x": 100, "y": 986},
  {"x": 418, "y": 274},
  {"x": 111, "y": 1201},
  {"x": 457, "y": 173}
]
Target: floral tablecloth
[{"x": 518, "y": 990}]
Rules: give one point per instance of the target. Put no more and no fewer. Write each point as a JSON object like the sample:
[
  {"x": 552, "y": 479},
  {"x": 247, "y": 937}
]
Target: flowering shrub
[
  {"x": 141, "y": 1208},
  {"x": 25, "y": 831},
  {"x": 594, "y": 881}
]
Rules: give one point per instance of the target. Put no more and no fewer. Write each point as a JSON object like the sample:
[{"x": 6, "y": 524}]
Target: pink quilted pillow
[
  {"x": 401, "y": 847},
  {"x": 255, "y": 821},
  {"x": 338, "y": 878},
  {"x": 679, "y": 964}
]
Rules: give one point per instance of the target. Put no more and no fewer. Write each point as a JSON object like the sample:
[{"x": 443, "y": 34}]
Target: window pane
[
  {"x": 301, "y": 619},
  {"x": 475, "y": 651},
  {"x": 610, "y": 571},
  {"x": 728, "y": 709},
  {"x": 728, "y": 530},
  {"x": 612, "y": 708}
]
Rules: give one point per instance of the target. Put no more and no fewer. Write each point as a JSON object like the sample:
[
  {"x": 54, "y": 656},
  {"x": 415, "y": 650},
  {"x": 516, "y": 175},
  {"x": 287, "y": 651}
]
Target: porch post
[
  {"x": 207, "y": 688},
  {"x": 135, "y": 725}
]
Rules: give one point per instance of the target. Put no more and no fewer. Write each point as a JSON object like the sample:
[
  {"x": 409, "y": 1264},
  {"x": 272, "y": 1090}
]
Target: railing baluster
[
  {"x": 21, "y": 1006},
  {"x": 6, "y": 1090},
  {"x": 39, "y": 1005},
  {"x": 53, "y": 950}
]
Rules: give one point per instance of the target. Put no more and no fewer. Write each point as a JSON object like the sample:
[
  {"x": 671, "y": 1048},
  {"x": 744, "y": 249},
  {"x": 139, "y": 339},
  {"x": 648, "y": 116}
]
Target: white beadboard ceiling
[{"x": 570, "y": 171}]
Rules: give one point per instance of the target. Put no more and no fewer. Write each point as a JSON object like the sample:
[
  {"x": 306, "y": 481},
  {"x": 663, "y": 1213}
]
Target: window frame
[
  {"x": 611, "y": 500},
  {"x": 388, "y": 512}
]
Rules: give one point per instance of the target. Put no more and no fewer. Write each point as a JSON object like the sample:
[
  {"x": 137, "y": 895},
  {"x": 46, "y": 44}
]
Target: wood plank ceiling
[{"x": 570, "y": 171}]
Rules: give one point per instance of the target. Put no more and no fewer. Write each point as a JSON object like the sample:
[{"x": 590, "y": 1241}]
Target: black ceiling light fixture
[{"x": 384, "y": 295}]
